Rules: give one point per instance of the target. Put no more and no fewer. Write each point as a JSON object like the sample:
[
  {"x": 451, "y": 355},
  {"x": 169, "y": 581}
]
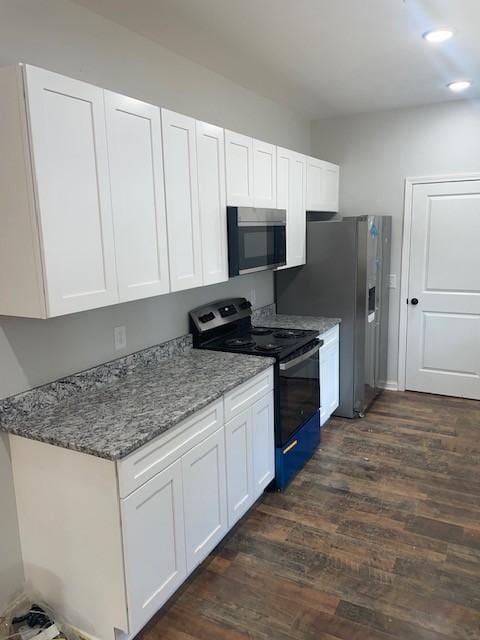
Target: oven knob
[
  {"x": 229, "y": 310},
  {"x": 207, "y": 317}
]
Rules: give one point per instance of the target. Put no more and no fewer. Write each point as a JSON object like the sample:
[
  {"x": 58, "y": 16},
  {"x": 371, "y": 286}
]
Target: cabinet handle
[{"x": 290, "y": 447}]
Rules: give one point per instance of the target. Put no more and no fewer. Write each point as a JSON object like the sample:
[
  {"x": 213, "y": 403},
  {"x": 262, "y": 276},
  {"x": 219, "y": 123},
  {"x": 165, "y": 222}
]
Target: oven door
[
  {"x": 299, "y": 390},
  {"x": 256, "y": 239}
]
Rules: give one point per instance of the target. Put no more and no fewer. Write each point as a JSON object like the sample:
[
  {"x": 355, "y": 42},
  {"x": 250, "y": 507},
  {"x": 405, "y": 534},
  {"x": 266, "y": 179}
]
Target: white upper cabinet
[
  {"x": 107, "y": 199},
  {"x": 315, "y": 172},
  {"x": 181, "y": 192},
  {"x": 264, "y": 174},
  {"x": 331, "y": 188},
  {"x": 136, "y": 172},
  {"x": 322, "y": 185},
  {"x": 251, "y": 167},
  {"x": 212, "y": 201},
  {"x": 70, "y": 163},
  {"x": 239, "y": 167},
  {"x": 291, "y": 186}
]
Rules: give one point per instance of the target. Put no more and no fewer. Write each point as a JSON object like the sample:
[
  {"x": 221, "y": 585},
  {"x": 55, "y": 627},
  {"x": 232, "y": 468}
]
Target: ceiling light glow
[
  {"x": 459, "y": 85},
  {"x": 438, "y": 35}
]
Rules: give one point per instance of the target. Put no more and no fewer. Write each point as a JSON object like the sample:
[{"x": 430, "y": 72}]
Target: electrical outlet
[
  {"x": 392, "y": 281},
  {"x": 253, "y": 297},
  {"x": 120, "y": 338}
]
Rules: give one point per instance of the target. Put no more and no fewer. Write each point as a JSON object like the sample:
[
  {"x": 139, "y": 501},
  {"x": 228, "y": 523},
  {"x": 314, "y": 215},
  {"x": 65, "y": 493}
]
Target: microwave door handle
[{"x": 304, "y": 356}]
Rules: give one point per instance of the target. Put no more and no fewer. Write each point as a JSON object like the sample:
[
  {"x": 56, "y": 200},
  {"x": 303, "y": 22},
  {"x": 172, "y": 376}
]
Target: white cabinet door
[
  {"x": 315, "y": 184},
  {"x": 329, "y": 374},
  {"x": 250, "y": 447},
  {"x": 239, "y": 169},
  {"x": 205, "y": 500},
  {"x": 239, "y": 483},
  {"x": 331, "y": 186},
  {"x": 138, "y": 199},
  {"x": 322, "y": 185},
  {"x": 264, "y": 174},
  {"x": 291, "y": 185},
  {"x": 181, "y": 191},
  {"x": 262, "y": 444},
  {"x": 154, "y": 544},
  {"x": 212, "y": 201},
  {"x": 69, "y": 144}
]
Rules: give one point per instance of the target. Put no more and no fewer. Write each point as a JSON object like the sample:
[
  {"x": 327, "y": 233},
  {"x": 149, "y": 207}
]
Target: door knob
[{"x": 414, "y": 301}]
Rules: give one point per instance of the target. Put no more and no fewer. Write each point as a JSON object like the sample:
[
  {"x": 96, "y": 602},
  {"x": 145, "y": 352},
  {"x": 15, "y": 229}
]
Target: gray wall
[
  {"x": 377, "y": 151},
  {"x": 66, "y": 38}
]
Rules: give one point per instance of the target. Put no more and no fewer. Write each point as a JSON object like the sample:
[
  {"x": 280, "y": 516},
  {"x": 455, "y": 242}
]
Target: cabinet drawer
[
  {"x": 332, "y": 335},
  {"x": 155, "y": 456},
  {"x": 247, "y": 393}
]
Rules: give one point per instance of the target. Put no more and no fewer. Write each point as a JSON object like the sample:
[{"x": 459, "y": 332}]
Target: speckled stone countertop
[
  {"x": 266, "y": 317},
  {"x": 112, "y": 421}
]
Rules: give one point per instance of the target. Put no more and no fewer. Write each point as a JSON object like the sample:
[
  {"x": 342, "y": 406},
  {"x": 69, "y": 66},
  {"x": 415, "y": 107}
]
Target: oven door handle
[{"x": 304, "y": 356}]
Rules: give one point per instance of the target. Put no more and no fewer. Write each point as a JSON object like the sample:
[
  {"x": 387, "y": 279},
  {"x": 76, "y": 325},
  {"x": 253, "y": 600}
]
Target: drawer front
[
  {"x": 332, "y": 335},
  {"x": 247, "y": 393},
  {"x": 141, "y": 465}
]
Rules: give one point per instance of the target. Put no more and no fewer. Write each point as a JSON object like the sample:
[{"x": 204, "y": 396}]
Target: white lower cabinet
[
  {"x": 250, "y": 448},
  {"x": 154, "y": 543},
  {"x": 263, "y": 444},
  {"x": 237, "y": 445},
  {"x": 126, "y": 534},
  {"x": 205, "y": 497},
  {"x": 329, "y": 373}
]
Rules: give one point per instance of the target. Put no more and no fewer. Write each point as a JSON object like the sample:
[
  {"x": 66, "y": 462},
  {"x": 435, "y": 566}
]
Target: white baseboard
[{"x": 390, "y": 385}]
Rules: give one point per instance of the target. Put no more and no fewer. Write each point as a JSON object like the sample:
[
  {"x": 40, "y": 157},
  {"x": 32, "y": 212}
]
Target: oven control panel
[{"x": 219, "y": 314}]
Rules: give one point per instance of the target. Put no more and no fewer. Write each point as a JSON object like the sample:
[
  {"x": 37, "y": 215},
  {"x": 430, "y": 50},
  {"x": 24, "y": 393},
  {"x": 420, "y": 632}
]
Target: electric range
[{"x": 226, "y": 325}]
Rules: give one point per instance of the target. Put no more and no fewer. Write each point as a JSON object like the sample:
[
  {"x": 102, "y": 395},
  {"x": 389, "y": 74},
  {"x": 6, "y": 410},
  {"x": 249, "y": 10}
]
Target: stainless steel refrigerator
[{"x": 346, "y": 276}]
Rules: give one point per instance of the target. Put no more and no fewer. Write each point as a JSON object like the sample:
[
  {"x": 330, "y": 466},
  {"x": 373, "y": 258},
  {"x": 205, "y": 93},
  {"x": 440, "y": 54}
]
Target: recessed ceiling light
[
  {"x": 459, "y": 85},
  {"x": 438, "y": 35}
]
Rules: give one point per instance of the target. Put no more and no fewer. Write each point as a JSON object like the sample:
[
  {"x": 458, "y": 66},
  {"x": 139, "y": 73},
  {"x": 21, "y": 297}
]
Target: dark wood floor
[{"x": 378, "y": 537}]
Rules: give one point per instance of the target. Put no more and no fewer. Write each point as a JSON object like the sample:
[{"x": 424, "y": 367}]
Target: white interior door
[
  {"x": 443, "y": 330},
  {"x": 138, "y": 198},
  {"x": 69, "y": 143},
  {"x": 181, "y": 193}
]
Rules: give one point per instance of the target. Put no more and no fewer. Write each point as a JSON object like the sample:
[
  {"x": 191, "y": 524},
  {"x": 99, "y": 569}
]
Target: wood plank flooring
[{"x": 377, "y": 538}]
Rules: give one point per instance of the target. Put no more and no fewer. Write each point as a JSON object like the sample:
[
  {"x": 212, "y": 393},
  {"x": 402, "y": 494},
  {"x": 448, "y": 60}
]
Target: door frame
[{"x": 410, "y": 183}]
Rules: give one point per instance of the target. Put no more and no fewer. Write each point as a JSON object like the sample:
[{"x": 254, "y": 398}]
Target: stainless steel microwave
[{"x": 256, "y": 239}]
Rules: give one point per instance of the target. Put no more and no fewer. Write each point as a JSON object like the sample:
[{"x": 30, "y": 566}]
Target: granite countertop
[
  {"x": 315, "y": 323},
  {"x": 112, "y": 421}
]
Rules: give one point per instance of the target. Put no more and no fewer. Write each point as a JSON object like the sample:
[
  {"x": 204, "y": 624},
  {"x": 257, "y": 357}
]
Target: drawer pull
[{"x": 290, "y": 447}]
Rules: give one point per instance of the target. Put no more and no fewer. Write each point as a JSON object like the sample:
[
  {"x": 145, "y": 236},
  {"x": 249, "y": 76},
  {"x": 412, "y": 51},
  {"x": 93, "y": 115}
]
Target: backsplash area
[
  {"x": 263, "y": 312},
  {"x": 36, "y": 352},
  {"x": 95, "y": 377}
]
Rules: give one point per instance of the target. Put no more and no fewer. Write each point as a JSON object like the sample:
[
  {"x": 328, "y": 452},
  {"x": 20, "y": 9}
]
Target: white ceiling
[{"x": 318, "y": 57}]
